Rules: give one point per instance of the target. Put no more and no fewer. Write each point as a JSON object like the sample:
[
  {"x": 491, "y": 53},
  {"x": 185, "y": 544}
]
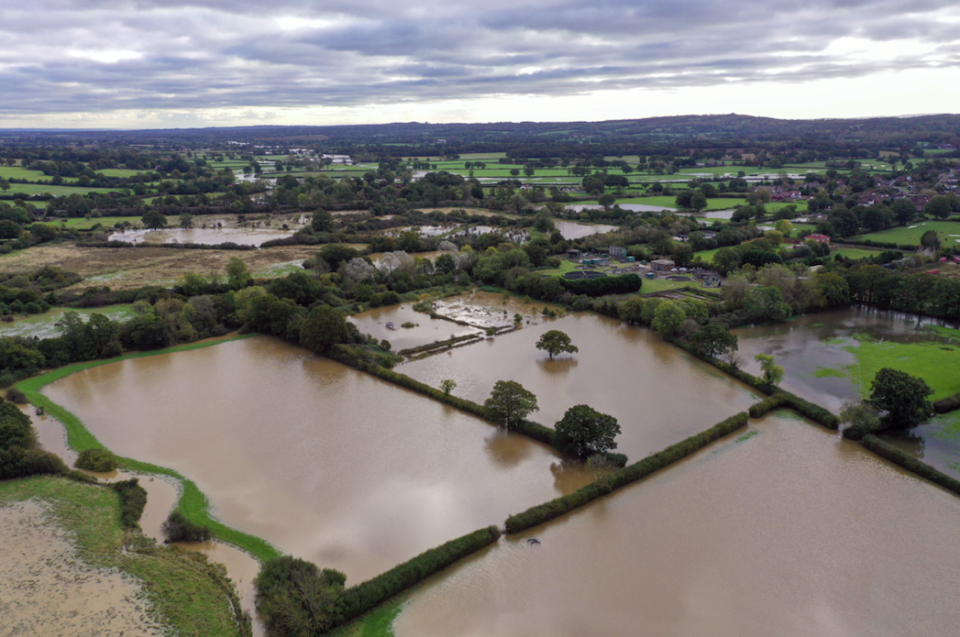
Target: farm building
[{"x": 662, "y": 265}]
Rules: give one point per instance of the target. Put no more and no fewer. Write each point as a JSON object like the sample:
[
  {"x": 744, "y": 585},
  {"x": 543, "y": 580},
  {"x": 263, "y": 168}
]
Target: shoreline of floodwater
[{"x": 192, "y": 502}]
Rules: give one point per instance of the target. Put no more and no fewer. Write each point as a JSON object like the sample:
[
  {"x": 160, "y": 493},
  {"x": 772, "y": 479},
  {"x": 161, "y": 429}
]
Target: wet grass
[
  {"x": 376, "y": 623},
  {"x": 184, "y": 591},
  {"x": 44, "y": 325},
  {"x": 193, "y": 504},
  {"x": 748, "y": 436},
  {"x": 827, "y": 372},
  {"x": 928, "y": 360}
]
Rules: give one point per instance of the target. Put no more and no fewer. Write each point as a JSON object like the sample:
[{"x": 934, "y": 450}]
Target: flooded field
[
  {"x": 831, "y": 357},
  {"x": 576, "y": 230},
  {"x": 206, "y": 236},
  {"x": 45, "y": 325},
  {"x": 420, "y": 330},
  {"x": 47, "y": 589},
  {"x": 791, "y": 531},
  {"x": 353, "y": 474},
  {"x": 659, "y": 393}
]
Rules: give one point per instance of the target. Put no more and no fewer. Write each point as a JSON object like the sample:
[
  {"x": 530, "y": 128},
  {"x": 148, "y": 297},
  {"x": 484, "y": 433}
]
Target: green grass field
[
  {"x": 855, "y": 253},
  {"x": 949, "y": 232},
  {"x": 82, "y": 223},
  {"x": 933, "y": 361},
  {"x": 17, "y": 172},
  {"x": 60, "y": 191}
]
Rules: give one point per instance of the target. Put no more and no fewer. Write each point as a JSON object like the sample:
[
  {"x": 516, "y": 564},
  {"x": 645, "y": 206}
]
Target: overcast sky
[{"x": 176, "y": 63}]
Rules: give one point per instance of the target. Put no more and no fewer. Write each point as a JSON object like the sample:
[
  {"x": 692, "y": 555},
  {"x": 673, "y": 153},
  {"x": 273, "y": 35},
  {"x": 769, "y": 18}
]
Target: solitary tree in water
[
  {"x": 583, "y": 432},
  {"x": 510, "y": 403},
  {"x": 555, "y": 342}
]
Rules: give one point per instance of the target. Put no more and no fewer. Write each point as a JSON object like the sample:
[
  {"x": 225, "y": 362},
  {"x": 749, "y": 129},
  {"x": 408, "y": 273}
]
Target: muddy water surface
[
  {"x": 575, "y": 230},
  {"x": 327, "y": 463},
  {"x": 789, "y": 532},
  {"x": 659, "y": 394},
  {"x": 45, "y": 589}
]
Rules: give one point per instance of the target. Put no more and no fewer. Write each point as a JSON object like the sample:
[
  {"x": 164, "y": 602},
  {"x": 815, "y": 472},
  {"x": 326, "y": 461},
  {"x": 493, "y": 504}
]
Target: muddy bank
[{"x": 47, "y": 589}]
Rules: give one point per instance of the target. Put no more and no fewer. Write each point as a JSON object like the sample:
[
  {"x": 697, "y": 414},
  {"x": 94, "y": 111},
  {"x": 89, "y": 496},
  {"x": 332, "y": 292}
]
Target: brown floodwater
[
  {"x": 789, "y": 532},
  {"x": 251, "y": 233},
  {"x": 325, "y": 462},
  {"x": 46, "y": 589},
  {"x": 658, "y": 392}
]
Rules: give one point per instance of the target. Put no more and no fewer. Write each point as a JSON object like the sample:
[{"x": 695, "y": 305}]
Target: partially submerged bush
[
  {"x": 133, "y": 499},
  {"x": 14, "y": 395},
  {"x": 98, "y": 460},
  {"x": 177, "y": 528}
]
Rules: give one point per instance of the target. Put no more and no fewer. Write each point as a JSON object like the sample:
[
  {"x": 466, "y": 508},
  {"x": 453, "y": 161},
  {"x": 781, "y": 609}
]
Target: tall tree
[
  {"x": 555, "y": 342},
  {"x": 510, "y": 403},
  {"x": 583, "y": 432},
  {"x": 900, "y": 398}
]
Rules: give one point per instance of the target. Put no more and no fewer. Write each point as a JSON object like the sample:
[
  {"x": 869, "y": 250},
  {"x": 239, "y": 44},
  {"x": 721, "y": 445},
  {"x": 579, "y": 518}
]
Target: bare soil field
[{"x": 122, "y": 268}]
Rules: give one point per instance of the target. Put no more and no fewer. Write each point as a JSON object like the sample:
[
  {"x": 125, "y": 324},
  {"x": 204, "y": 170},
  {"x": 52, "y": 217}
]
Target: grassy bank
[
  {"x": 193, "y": 504},
  {"x": 185, "y": 591}
]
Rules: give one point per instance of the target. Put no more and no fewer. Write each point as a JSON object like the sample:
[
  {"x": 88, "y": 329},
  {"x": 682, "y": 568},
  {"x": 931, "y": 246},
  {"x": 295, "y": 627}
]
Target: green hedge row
[
  {"x": 363, "y": 597},
  {"x": 343, "y": 355},
  {"x": 410, "y": 351},
  {"x": 133, "y": 499},
  {"x": 908, "y": 462},
  {"x": 816, "y": 413},
  {"x": 562, "y": 505},
  {"x": 947, "y": 404},
  {"x": 763, "y": 407},
  {"x": 623, "y": 284}
]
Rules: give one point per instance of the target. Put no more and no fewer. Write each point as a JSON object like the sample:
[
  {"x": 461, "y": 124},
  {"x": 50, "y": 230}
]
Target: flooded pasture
[
  {"x": 790, "y": 531},
  {"x": 215, "y": 230},
  {"x": 354, "y": 473},
  {"x": 819, "y": 353},
  {"x": 659, "y": 393},
  {"x": 576, "y": 230},
  {"x": 47, "y": 589},
  {"x": 404, "y": 327}
]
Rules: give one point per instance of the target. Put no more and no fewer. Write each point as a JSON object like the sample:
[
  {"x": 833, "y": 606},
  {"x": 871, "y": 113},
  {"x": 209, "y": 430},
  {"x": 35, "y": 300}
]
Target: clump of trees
[{"x": 897, "y": 401}]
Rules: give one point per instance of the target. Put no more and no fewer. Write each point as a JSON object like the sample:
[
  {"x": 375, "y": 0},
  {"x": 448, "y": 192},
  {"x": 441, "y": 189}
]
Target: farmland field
[
  {"x": 60, "y": 191},
  {"x": 949, "y": 232}
]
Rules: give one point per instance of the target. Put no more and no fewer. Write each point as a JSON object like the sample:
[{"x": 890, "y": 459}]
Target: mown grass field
[
  {"x": 18, "y": 172},
  {"x": 949, "y": 232}
]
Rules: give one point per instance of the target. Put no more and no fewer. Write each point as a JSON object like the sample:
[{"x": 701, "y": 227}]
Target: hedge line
[
  {"x": 763, "y": 407},
  {"x": 911, "y": 464},
  {"x": 810, "y": 410},
  {"x": 437, "y": 344},
  {"x": 562, "y": 505},
  {"x": 623, "y": 284},
  {"x": 343, "y": 355},
  {"x": 363, "y": 597},
  {"x": 949, "y": 403}
]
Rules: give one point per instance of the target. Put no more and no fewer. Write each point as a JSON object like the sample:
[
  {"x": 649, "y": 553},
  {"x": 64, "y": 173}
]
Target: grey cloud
[{"x": 347, "y": 53}]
